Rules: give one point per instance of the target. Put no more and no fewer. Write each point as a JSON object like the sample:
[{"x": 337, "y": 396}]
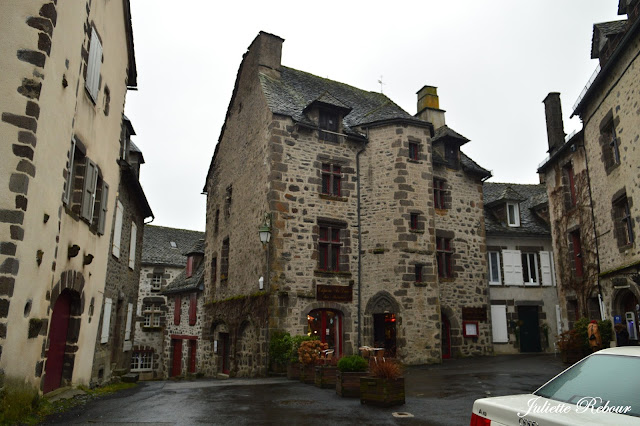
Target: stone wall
[{"x": 181, "y": 331}]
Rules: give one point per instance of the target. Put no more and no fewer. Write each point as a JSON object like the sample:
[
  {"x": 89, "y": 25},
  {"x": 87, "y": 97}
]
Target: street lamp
[{"x": 264, "y": 231}]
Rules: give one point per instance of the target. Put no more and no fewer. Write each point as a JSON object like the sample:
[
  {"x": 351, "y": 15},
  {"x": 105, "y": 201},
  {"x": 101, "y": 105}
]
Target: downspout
[{"x": 359, "y": 243}]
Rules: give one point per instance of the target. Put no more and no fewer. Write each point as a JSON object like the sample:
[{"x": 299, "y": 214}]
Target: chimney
[
  {"x": 555, "y": 127},
  {"x": 267, "y": 49},
  {"x": 429, "y": 106}
]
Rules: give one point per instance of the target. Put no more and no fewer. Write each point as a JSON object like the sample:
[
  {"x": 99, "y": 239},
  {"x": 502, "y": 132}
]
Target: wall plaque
[
  {"x": 334, "y": 293},
  {"x": 474, "y": 314}
]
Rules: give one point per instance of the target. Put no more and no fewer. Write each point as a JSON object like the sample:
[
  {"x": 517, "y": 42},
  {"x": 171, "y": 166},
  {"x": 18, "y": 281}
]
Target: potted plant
[
  {"x": 350, "y": 370},
  {"x": 385, "y": 386},
  {"x": 326, "y": 370},
  {"x": 308, "y": 354},
  {"x": 293, "y": 365}
]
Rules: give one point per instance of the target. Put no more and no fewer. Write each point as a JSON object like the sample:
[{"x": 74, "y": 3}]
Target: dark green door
[{"x": 529, "y": 329}]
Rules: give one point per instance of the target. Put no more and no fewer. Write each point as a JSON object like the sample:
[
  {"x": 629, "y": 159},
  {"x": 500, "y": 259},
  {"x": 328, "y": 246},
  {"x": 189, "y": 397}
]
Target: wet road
[{"x": 435, "y": 395}]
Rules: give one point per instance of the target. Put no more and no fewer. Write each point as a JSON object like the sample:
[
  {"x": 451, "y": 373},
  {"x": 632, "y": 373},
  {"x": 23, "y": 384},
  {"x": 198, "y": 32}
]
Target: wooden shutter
[
  {"x": 193, "y": 308},
  {"x": 69, "y": 189},
  {"x": 127, "y": 331},
  {"x": 176, "y": 310},
  {"x": 89, "y": 190},
  {"x": 92, "y": 81},
  {"x": 545, "y": 268},
  {"x": 103, "y": 208},
  {"x": 512, "y": 266},
  {"x": 106, "y": 320},
  {"x": 117, "y": 231},
  {"x": 132, "y": 246},
  {"x": 499, "y": 324}
]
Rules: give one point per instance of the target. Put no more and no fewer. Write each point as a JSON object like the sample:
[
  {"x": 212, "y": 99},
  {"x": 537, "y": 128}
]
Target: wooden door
[{"x": 57, "y": 342}]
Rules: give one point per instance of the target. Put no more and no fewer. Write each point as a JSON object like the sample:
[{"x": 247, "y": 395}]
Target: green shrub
[
  {"x": 352, "y": 363},
  {"x": 280, "y": 347},
  {"x": 18, "y": 402},
  {"x": 606, "y": 332},
  {"x": 296, "y": 341}
]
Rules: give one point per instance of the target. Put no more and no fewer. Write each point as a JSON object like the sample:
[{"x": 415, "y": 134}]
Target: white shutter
[
  {"x": 558, "y": 319},
  {"x": 545, "y": 268},
  {"x": 117, "y": 231},
  {"x": 512, "y": 266},
  {"x": 132, "y": 246},
  {"x": 106, "y": 320},
  {"x": 92, "y": 81},
  {"x": 127, "y": 331},
  {"x": 89, "y": 191},
  {"x": 102, "y": 218},
  {"x": 69, "y": 189},
  {"x": 499, "y": 324}
]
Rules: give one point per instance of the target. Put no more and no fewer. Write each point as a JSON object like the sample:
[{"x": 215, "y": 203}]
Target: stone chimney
[
  {"x": 429, "y": 106},
  {"x": 267, "y": 50},
  {"x": 555, "y": 126}
]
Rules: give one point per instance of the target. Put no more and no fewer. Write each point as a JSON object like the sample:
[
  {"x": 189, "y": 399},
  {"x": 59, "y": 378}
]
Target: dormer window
[
  {"x": 513, "y": 214},
  {"x": 451, "y": 152},
  {"x": 328, "y": 121},
  {"x": 189, "y": 266}
]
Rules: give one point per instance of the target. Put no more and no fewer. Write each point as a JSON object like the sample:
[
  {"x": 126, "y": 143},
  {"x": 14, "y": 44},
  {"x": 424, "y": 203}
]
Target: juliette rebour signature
[{"x": 593, "y": 404}]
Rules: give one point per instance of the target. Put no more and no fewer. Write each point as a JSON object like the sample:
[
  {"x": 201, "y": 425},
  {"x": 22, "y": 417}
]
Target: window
[
  {"x": 419, "y": 273},
  {"x": 438, "y": 193},
  {"x": 529, "y": 268},
  {"x": 156, "y": 281},
  {"x": 444, "y": 255},
  {"x": 326, "y": 325},
  {"x": 151, "y": 313},
  {"x": 331, "y": 179},
  {"x": 177, "y": 310},
  {"x": 142, "y": 360},
  {"x": 623, "y": 227},
  {"x": 132, "y": 246},
  {"x": 189, "y": 271},
  {"x": 216, "y": 220},
  {"x": 576, "y": 253},
  {"x": 413, "y": 151},
  {"x": 228, "y": 199},
  {"x": 214, "y": 270},
  {"x": 494, "y": 268},
  {"x": 193, "y": 308},
  {"x": 224, "y": 260},
  {"x": 513, "y": 214},
  {"x": 329, "y": 122},
  {"x": 329, "y": 244},
  {"x": 117, "y": 230},
  {"x": 92, "y": 80},
  {"x": 451, "y": 152},
  {"x": 610, "y": 145},
  {"x": 413, "y": 221},
  {"x": 569, "y": 184}
]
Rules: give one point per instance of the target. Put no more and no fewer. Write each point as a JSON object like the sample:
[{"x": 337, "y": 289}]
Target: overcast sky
[{"x": 493, "y": 61}]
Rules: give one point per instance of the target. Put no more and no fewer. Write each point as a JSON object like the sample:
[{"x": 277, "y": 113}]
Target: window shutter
[
  {"x": 69, "y": 189},
  {"x": 545, "y": 268},
  {"x": 499, "y": 323},
  {"x": 512, "y": 265},
  {"x": 176, "y": 310},
  {"x": 89, "y": 190},
  {"x": 103, "y": 208},
  {"x": 106, "y": 320},
  {"x": 193, "y": 308},
  {"x": 127, "y": 331},
  {"x": 93, "y": 66},
  {"x": 117, "y": 231},
  {"x": 132, "y": 246}
]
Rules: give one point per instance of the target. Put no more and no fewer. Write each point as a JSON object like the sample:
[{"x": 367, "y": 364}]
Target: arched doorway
[
  {"x": 222, "y": 346},
  {"x": 326, "y": 324},
  {"x": 445, "y": 334},
  {"x": 383, "y": 309},
  {"x": 57, "y": 341},
  {"x": 625, "y": 306},
  {"x": 384, "y": 333}
]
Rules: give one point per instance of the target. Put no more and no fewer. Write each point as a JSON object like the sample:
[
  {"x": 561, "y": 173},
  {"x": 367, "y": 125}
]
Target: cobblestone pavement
[{"x": 435, "y": 395}]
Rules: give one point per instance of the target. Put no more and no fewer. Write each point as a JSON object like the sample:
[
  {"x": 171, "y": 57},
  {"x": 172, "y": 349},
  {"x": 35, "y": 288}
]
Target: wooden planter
[
  {"x": 382, "y": 392},
  {"x": 293, "y": 371},
  {"x": 348, "y": 384},
  {"x": 326, "y": 376},
  {"x": 307, "y": 374}
]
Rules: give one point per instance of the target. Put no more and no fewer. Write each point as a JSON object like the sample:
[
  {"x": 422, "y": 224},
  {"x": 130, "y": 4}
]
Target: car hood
[{"x": 534, "y": 410}]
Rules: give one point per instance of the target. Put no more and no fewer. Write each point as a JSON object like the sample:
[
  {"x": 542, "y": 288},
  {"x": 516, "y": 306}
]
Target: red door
[
  {"x": 176, "y": 368},
  {"x": 57, "y": 342}
]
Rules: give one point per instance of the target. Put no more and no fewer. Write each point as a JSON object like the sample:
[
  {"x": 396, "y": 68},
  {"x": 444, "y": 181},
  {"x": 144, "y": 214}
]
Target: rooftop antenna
[{"x": 381, "y": 84}]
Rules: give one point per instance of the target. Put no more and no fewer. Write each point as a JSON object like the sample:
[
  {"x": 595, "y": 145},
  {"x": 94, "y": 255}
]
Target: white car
[{"x": 602, "y": 389}]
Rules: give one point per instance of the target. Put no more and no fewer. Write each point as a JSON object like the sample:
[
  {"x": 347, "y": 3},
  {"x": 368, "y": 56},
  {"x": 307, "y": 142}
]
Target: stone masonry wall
[{"x": 173, "y": 331}]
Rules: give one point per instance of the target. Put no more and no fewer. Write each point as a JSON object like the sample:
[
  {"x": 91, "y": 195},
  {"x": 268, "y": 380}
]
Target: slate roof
[
  {"x": 445, "y": 132},
  {"x": 181, "y": 283},
  {"x": 602, "y": 30},
  {"x": 295, "y": 90},
  {"x": 469, "y": 165},
  {"x": 156, "y": 245},
  {"x": 530, "y": 223}
]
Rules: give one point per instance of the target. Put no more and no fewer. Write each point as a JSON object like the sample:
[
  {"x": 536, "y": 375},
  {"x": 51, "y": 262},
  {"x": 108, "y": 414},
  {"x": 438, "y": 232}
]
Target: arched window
[{"x": 326, "y": 324}]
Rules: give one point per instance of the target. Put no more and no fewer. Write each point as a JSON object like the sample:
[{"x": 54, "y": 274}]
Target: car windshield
[{"x": 606, "y": 381}]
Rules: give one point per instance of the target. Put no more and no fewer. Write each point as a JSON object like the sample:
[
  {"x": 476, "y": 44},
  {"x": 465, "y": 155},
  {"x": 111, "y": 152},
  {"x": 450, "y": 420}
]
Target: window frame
[
  {"x": 514, "y": 221},
  {"x": 152, "y": 314},
  {"x": 143, "y": 360},
  {"x": 439, "y": 193},
  {"x": 328, "y": 131},
  {"x": 444, "y": 257},
  {"x": 329, "y": 248},
  {"x": 414, "y": 224},
  {"x": 414, "y": 150},
  {"x": 623, "y": 225},
  {"x": 419, "y": 277},
  {"x": 491, "y": 269},
  {"x": 528, "y": 268},
  {"x": 156, "y": 284},
  {"x": 331, "y": 179}
]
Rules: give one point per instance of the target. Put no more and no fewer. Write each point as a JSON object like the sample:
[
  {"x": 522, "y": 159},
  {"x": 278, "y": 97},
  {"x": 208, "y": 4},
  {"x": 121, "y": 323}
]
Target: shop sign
[
  {"x": 474, "y": 314},
  {"x": 334, "y": 293}
]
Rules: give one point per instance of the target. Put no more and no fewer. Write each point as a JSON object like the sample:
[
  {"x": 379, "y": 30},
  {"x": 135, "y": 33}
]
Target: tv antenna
[{"x": 381, "y": 84}]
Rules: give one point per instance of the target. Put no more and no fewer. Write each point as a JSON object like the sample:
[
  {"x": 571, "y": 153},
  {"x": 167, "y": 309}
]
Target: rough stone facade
[
  {"x": 51, "y": 259},
  {"x": 277, "y": 168}
]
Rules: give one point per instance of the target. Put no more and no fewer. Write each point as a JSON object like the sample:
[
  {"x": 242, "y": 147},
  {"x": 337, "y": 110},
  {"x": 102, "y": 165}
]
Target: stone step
[
  {"x": 130, "y": 378},
  {"x": 221, "y": 376}
]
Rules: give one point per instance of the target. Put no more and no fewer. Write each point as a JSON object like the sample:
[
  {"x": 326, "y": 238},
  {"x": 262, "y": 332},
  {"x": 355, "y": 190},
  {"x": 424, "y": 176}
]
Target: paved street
[{"x": 435, "y": 395}]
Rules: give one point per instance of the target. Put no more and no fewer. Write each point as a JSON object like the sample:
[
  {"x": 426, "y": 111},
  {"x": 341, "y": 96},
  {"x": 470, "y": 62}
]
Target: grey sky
[{"x": 493, "y": 61}]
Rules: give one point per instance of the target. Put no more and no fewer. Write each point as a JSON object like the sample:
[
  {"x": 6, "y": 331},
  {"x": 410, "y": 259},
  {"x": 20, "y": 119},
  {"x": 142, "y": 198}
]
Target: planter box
[
  {"x": 348, "y": 384},
  {"x": 293, "y": 371},
  {"x": 382, "y": 392},
  {"x": 308, "y": 374},
  {"x": 326, "y": 376}
]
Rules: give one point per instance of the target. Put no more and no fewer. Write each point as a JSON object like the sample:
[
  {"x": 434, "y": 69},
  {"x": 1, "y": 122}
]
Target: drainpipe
[{"x": 359, "y": 243}]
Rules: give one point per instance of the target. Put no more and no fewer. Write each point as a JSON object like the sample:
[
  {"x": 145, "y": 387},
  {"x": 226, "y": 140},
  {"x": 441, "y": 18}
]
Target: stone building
[
  {"x": 162, "y": 261},
  {"x": 522, "y": 284},
  {"x": 116, "y": 333},
  {"x": 375, "y": 219},
  {"x": 603, "y": 248},
  {"x": 186, "y": 304},
  {"x": 66, "y": 68}
]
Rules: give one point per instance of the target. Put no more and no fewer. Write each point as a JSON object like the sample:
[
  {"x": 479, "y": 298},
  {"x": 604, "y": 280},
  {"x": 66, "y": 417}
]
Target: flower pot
[
  {"x": 326, "y": 376},
  {"x": 348, "y": 383},
  {"x": 293, "y": 371},
  {"x": 307, "y": 374},
  {"x": 382, "y": 392}
]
